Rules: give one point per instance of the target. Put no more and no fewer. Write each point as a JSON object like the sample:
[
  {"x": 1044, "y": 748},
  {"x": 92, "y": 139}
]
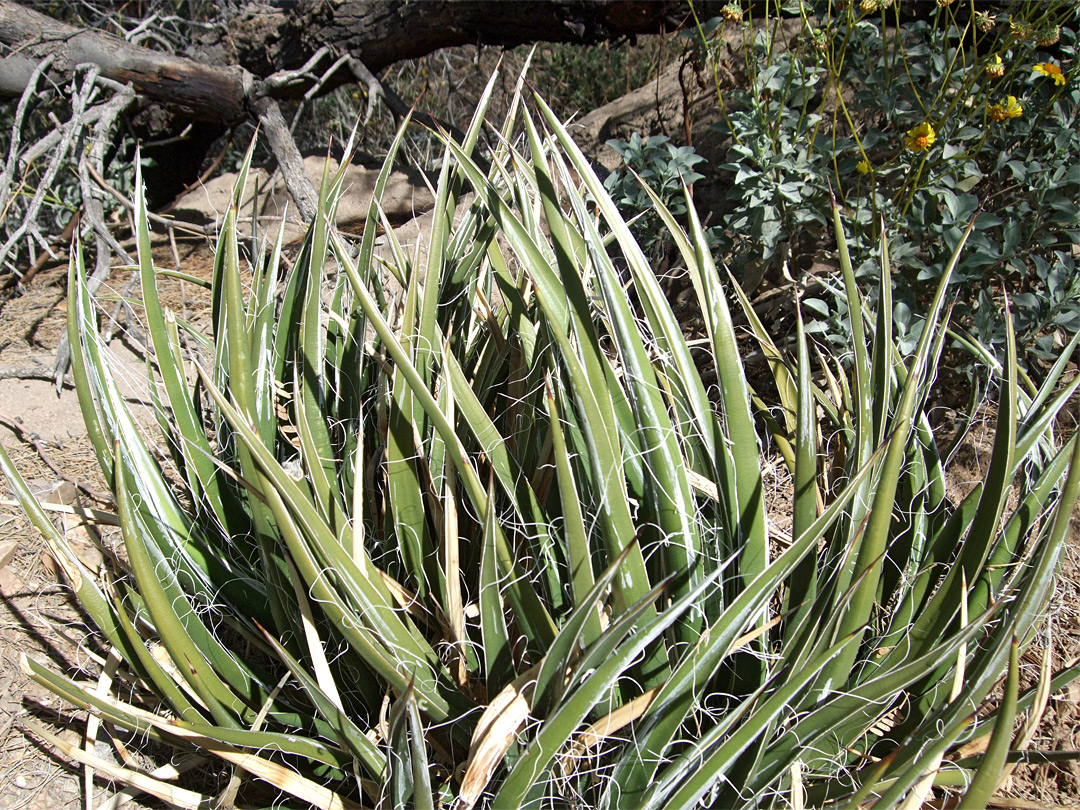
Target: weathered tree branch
[
  {"x": 288, "y": 157},
  {"x": 277, "y": 51},
  {"x": 265, "y": 41},
  {"x": 205, "y": 92}
]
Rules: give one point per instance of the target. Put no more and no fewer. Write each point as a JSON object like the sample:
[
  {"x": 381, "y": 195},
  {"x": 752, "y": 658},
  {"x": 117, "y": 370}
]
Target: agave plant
[{"x": 494, "y": 541}]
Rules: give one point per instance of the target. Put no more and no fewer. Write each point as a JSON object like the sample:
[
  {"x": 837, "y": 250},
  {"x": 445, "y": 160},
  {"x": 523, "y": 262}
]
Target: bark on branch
[
  {"x": 263, "y": 41},
  {"x": 274, "y": 52}
]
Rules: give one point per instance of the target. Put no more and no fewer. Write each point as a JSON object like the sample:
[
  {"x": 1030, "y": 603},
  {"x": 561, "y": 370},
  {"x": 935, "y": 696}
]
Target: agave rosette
[{"x": 494, "y": 542}]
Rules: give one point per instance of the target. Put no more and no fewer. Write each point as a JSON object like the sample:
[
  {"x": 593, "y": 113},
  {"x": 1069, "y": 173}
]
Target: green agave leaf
[
  {"x": 988, "y": 775},
  {"x": 692, "y": 775},
  {"x": 85, "y": 362},
  {"x": 678, "y": 695},
  {"x": 527, "y": 606},
  {"x": 802, "y": 586},
  {"x": 310, "y": 394},
  {"x": 337, "y": 722},
  {"x": 875, "y": 538},
  {"x": 669, "y": 503},
  {"x": 508, "y": 472},
  {"x": 384, "y": 636},
  {"x": 193, "y": 649},
  {"x": 135, "y": 720},
  {"x": 739, "y": 471},
  {"x": 556, "y": 731},
  {"x": 404, "y": 461},
  {"x": 831, "y": 724},
  {"x": 410, "y": 784},
  {"x": 588, "y": 379},
  {"x": 557, "y": 664},
  {"x": 498, "y": 661},
  {"x": 575, "y": 535},
  {"x": 192, "y": 442}
]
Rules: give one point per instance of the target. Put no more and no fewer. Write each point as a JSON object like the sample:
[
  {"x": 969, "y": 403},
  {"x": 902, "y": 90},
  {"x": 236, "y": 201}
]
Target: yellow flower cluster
[
  {"x": 732, "y": 12},
  {"x": 920, "y": 138},
  {"x": 995, "y": 68},
  {"x": 1048, "y": 36},
  {"x": 1021, "y": 30},
  {"x": 1051, "y": 71},
  {"x": 1010, "y": 108}
]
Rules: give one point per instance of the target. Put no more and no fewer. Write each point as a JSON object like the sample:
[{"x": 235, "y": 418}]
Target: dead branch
[
  {"x": 288, "y": 157},
  {"x": 44, "y": 186},
  {"x": 94, "y": 212}
]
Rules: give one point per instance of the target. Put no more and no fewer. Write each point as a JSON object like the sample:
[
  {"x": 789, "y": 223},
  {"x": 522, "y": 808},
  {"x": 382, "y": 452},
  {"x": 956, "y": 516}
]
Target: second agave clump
[{"x": 501, "y": 546}]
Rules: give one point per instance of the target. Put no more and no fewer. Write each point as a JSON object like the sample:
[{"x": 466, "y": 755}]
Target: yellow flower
[
  {"x": 1051, "y": 71},
  {"x": 1048, "y": 36},
  {"x": 1021, "y": 30},
  {"x": 732, "y": 12},
  {"x": 995, "y": 68},
  {"x": 863, "y": 167},
  {"x": 921, "y": 138},
  {"x": 1010, "y": 108}
]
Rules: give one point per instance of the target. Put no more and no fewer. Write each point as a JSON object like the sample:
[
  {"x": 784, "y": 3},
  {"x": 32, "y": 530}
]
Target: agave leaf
[
  {"x": 669, "y": 502},
  {"x": 576, "y": 538},
  {"x": 881, "y": 368},
  {"x": 192, "y": 443},
  {"x": 802, "y": 587},
  {"x": 679, "y": 693},
  {"x": 1049, "y": 386},
  {"x": 746, "y": 490},
  {"x": 989, "y": 772},
  {"x": 139, "y": 720},
  {"x": 871, "y": 547},
  {"x": 498, "y": 662},
  {"x": 831, "y": 722},
  {"x": 85, "y": 361},
  {"x": 404, "y": 475},
  {"x": 683, "y": 783},
  {"x": 592, "y": 689},
  {"x": 1022, "y": 605},
  {"x": 589, "y": 381},
  {"x": 170, "y": 687},
  {"x": 385, "y": 639},
  {"x": 410, "y": 784},
  {"x": 277, "y": 774},
  {"x": 527, "y": 606},
  {"x": 551, "y": 680},
  {"x": 893, "y": 788},
  {"x": 194, "y": 650},
  {"x": 309, "y": 397},
  {"x": 495, "y": 448},
  {"x": 338, "y": 723},
  {"x": 941, "y": 610}
]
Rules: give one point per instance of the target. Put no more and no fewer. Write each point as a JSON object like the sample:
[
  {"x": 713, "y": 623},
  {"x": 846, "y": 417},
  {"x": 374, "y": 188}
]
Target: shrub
[
  {"x": 502, "y": 545},
  {"x": 917, "y": 126},
  {"x": 666, "y": 169}
]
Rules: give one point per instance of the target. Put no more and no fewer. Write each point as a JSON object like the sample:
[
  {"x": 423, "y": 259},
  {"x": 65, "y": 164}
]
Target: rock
[
  {"x": 8, "y": 549},
  {"x": 406, "y": 196}
]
